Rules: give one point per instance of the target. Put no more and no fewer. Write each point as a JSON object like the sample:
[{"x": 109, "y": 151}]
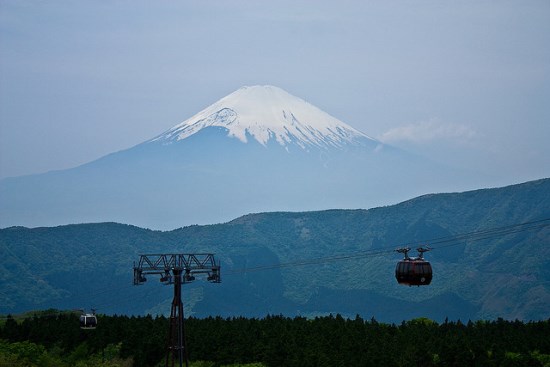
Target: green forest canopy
[{"x": 55, "y": 339}]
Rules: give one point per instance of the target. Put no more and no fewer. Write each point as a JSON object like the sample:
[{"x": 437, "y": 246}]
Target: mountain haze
[{"x": 258, "y": 149}]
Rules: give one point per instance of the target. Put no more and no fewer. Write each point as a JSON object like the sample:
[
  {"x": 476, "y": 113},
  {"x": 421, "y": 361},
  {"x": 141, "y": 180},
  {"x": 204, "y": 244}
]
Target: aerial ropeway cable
[{"x": 413, "y": 271}]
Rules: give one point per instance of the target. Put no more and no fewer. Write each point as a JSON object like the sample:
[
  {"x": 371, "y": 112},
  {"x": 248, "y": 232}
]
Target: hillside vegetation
[
  {"x": 305, "y": 263},
  {"x": 275, "y": 341}
]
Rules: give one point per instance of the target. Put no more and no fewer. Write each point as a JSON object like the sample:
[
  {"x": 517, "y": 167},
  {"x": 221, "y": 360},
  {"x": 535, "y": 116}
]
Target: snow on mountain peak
[{"x": 265, "y": 113}]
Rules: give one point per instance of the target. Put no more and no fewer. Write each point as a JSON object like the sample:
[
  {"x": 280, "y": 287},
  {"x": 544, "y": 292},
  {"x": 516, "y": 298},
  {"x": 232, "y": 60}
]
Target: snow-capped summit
[{"x": 265, "y": 113}]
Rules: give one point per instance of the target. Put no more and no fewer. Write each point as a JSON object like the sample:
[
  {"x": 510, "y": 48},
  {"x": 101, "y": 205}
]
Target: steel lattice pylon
[{"x": 177, "y": 269}]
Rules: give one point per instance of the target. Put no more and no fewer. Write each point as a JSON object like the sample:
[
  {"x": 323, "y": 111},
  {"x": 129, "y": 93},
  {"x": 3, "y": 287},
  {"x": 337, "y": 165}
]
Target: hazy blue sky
[{"x": 465, "y": 82}]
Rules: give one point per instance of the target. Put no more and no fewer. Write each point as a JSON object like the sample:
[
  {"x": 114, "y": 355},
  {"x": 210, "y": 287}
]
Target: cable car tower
[{"x": 177, "y": 269}]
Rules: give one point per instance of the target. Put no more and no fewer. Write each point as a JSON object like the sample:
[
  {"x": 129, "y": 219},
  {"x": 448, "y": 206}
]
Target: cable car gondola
[
  {"x": 413, "y": 270},
  {"x": 88, "y": 321}
]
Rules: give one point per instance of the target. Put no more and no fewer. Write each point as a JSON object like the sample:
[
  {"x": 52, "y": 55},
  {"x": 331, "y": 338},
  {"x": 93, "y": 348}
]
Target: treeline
[{"x": 55, "y": 339}]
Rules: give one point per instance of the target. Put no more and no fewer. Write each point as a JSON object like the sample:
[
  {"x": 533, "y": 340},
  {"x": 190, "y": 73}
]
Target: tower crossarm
[{"x": 165, "y": 264}]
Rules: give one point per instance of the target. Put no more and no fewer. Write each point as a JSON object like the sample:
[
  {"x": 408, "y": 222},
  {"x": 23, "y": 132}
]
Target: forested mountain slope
[{"x": 337, "y": 261}]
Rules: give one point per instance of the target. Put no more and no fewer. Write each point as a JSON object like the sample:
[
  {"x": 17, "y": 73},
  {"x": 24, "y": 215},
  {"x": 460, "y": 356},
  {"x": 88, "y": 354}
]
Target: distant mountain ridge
[
  {"x": 258, "y": 149},
  {"x": 335, "y": 261}
]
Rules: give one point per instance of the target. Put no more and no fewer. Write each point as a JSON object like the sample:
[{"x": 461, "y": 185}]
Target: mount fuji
[
  {"x": 267, "y": 113},
  {"x": 257, "y": 149}
]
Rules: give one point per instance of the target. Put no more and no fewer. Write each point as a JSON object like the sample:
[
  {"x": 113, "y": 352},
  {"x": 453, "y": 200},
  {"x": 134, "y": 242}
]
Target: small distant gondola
[
  {"x": 88, "y": 321},
  {"x": 413, "y": 270}
]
